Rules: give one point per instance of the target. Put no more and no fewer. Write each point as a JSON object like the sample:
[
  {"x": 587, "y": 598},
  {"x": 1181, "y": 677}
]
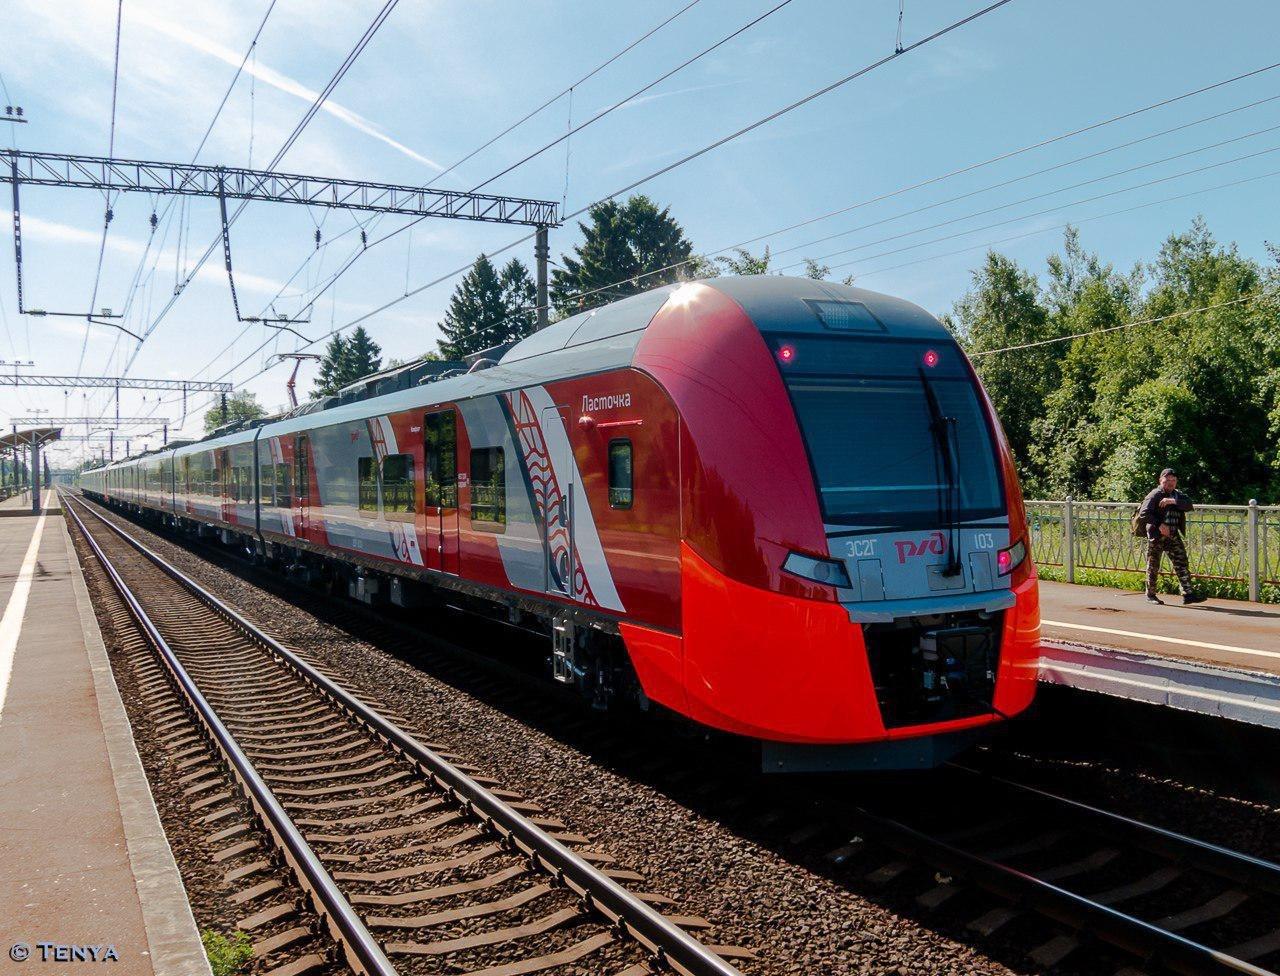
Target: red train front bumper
[{"x": 784, "y": 669}]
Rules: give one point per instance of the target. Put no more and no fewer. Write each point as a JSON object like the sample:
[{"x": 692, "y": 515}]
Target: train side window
[
  {"x": 621, "y": 479},
  {"x": 488, "y": 486},
  {"x": 397, "y": 483},
  {"x": 440, "y": 448},
  {"x": 368, "y": 482}
]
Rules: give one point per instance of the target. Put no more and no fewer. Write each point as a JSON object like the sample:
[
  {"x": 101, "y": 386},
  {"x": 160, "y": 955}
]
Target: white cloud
[
  {"x": 275, "y": 79},
  {"x": 658, "y": 96},
  {"x": 212, "y": 273}
]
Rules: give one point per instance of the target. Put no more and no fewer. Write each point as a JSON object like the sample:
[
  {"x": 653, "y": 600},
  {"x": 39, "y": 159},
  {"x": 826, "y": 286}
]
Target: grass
[
  {"x": 1108, "y": 555},
  {"x": 1166, "y": 583},
  {"x": 228, "y": 955}
]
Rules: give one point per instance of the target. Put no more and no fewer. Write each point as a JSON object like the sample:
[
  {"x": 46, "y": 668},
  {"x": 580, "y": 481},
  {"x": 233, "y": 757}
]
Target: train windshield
[{"x": 883, "y": 454}]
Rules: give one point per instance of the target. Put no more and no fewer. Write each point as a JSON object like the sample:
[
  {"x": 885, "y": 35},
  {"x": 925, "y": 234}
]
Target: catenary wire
[
  {"x": 106, "y": 221},
  {"x": 560, "y": 94},
  {"x": 166, "y": 215},
  {"x": 572, "y": 130},
  {"x": 1116, "y": 328},
  {"x": 332, "y": 84},
  {"x": 1041, "y": 172},
  {"x": 866, "y": 69},
  {"x": 916, "y": 45},
  {"x": 1039, "y": 196},
  {"x": 1048, "y": 210},
  {"x": 359, "y": 251},
  {"x": 1076, "y": 222},
  {"x": 693, "y": 259}
]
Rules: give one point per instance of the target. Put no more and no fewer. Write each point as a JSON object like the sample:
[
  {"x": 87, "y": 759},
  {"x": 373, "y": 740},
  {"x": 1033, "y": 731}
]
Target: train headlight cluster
[
  {"x": 830, "y": 572},
  {"x": 1007, "y": 560}
]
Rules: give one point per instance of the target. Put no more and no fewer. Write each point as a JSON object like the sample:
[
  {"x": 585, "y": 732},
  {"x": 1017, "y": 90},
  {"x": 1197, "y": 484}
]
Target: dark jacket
[{"x": 1173, "y": 516}]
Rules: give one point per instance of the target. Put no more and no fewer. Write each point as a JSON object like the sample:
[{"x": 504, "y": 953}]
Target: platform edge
[{"x": 172, "y": 936}]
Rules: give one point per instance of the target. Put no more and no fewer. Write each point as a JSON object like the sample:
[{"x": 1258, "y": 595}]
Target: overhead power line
[
  {"x": 1064, "y": 189},
  {"x": 1116, "y": 328},
  {"x": 665, "y": 169},
  {"x": 1048, "y": 210},
  {"x": 1023, "y": 177},
  {"x": 363, "y": 247},
  {"x": 310, "y": 114},
  {"x": 106, "y": 220},
  {"x": 564, "y": 91},
  {"x": 634, "y": 95},
  {"x": 166, "y": 215},
  {"x": 1074, "y": 222},
  {"x": 360, "y": 252},
  {"x": 968, "y": 168}
]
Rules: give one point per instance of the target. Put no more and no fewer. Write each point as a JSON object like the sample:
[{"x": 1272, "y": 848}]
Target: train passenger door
[
  {"x": 558, "y": 507},
  {"x": 440, "y": 490},
  {"x": 302, "y": 485},
  {"x": 226, "y": 485}
]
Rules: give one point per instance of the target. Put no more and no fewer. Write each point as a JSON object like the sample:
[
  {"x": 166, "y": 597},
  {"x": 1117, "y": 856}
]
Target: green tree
[
  {"x": 240, "y": 406},
  {"x": 362, "y": 357},
  {"x": 327, "y": 380},
  {"x": 489, "y": 308},
  {"x": 1001, "y": 311},
  {"x": 626, "y": 248},
  {"x": 347, "y": 360},
  {"x": 743, "y": 262},
  {"x": 1175, "y": 363}
]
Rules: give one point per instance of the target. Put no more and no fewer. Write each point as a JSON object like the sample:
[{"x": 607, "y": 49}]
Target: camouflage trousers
[{"x": 1177, "y": 550}]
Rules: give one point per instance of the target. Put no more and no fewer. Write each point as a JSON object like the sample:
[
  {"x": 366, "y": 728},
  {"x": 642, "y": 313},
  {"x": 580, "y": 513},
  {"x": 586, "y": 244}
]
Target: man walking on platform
[{"x": 1163, "y": 512}]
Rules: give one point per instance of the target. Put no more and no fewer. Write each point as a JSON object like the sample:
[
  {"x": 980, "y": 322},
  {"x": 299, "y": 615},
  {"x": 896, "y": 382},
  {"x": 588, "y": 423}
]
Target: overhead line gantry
[{"x": 239, "y": 183}]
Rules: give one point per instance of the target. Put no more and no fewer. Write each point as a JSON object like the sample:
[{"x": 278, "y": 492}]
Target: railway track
[
  {"x": 1176, "y": 903},
  {"x": 410, "y": 861},
  {"x": 1168, "y": 901}
]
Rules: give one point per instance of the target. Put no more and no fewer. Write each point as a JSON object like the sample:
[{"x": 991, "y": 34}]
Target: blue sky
[{"x": 444, "y": 76}]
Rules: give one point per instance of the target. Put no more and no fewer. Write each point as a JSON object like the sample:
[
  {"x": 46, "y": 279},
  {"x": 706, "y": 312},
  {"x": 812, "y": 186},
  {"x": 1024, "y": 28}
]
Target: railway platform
[
  {"x": 84, "y": 861},
  {"x": 19, "y": 504},
  {"x": 1219, "y": 658}
]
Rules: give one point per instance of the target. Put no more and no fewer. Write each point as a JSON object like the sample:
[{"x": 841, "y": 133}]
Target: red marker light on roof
[
  {"x": 786, "y": 353},
  {"x": 931, "y": 358}
]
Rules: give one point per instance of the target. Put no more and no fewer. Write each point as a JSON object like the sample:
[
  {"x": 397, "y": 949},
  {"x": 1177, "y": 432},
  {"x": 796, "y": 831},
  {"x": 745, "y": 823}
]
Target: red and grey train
[{"x": 780, "y": 507}]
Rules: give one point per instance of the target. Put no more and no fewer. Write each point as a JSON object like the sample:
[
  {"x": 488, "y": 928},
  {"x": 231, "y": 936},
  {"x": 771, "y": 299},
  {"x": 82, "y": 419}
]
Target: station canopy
[{"x": 35, "y": 436}]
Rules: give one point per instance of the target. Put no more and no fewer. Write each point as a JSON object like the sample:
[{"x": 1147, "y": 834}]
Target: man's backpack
[{"x": 1138, "y": 525}]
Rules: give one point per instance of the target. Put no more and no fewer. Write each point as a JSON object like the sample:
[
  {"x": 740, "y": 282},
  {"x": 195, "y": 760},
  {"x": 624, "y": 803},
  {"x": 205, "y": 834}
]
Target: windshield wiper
[{"x": 949, "y": 507}]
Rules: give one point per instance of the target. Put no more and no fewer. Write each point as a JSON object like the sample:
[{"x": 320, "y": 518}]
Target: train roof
[{"x": 606, "y": 338}]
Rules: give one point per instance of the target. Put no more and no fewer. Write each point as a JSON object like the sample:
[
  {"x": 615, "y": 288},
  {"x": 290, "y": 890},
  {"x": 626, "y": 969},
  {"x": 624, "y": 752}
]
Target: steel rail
[
  {"x": 668, "y": 943},
  {"x": 1142, "y": 938},
  {"x": 1232, "y": 865},
  {"x": 358, "y": 944}
]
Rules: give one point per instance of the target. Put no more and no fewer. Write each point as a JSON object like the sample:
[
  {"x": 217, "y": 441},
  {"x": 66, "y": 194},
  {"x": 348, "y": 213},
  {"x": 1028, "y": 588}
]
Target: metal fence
[{"x": 1228, "y": 542}]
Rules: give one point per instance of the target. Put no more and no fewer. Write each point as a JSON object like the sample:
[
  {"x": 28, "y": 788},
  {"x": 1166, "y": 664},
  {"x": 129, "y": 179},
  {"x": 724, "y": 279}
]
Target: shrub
[{"x": 228, "y": 955}]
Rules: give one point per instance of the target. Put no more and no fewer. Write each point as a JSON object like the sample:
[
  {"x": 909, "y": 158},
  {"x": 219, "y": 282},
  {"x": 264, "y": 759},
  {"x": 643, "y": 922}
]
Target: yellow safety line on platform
[
  {"x": 1166, "y": 640},
  {"x": 11, "y": 623}
]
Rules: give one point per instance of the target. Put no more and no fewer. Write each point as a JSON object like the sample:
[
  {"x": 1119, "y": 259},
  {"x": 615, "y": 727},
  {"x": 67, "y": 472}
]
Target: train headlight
[
  {"x": 1007, "y": 560},
  {"x": 830, "y": 572}
]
